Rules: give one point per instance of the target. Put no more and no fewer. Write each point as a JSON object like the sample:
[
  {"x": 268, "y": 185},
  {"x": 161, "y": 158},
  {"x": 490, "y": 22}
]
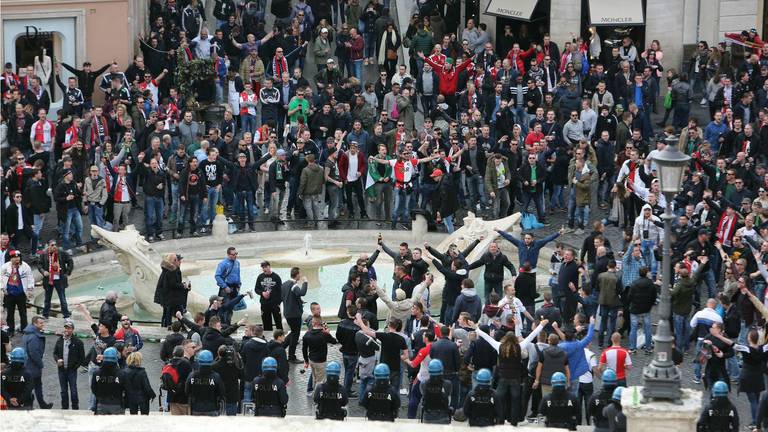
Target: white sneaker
[
  {"x": 703, "y": 101},
  {"x": 403, "y": 391}
]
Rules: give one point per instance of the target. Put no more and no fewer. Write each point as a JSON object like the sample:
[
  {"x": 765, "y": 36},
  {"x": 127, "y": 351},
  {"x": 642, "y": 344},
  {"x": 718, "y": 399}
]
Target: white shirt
[
  {"x": 21, "y": 219},
  {"x": 587, "y": 377},
  {"x": 512, "y": 306},
  {"x": 352, "y": 174}
]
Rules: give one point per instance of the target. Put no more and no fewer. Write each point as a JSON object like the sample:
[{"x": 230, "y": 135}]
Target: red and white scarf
[
  {"x": 53, "y": 266},
  {"x": 726, "y": 228}
]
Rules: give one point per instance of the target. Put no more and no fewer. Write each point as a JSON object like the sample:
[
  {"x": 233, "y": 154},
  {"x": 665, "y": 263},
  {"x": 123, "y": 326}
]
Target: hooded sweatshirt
[{"x": 468, "y": 301}]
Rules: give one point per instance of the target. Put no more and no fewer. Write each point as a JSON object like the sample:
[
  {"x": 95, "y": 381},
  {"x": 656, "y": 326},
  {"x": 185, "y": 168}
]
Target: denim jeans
[
  {"x": 448, "y": 222},
  {"x": 521, "y": 118},
  {"x": 243, "y": 205},
  {"x": 364, "y": 383},
  {"x": 68, "y": 383},
  {"x": 334, "y": 193},
  {"x": 604, "y": 188},
  {"x": 414, "y": 398},
  {"x": 646, "y": 246},
  {"x": 357, "y": 69},
  {"x": 696, "y": 364},
  {"x": 313, "y": 206},
  {"x": 508, "y": 401},
  {"x": 754, "y": 402},
  {"x": 174, "y": 202},
  {"x": 582, "y": 216},
  {"x": 370, "y": 44},
  {"x": 400, "y": 206},
  {"x": 96, "y": 215},
  {"x": 607, "y": 322},
  {"x": 350, "y": 364},
  {"x": 73, "y": 224},
  {"x": 209, "y": 211},
  {"x": 248, "y": 122},
  {"x": 60, "y": 291},
  {"x": 153, "y": 210},
  {"x": 536, "y": 197},
  {"x": 37, "y": 220},
  {"x": 425, "y": 194},
  {"x": 635, "y": 321},
  {"x": 191, "y": 207},
  {"x": 476, "y": 185},
  {"x": 682, "y": 332},
  {"x": 247, "y": 391},
  {"x": 557, "y": 201},
  {"x": 732, "y": 366}
]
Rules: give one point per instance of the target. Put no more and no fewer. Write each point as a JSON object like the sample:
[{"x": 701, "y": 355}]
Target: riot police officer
[
  {"x": 479, "y": 405},
  {"x": 270, "y": 399},
  {"x": 617, "y": 422},
  {"x": 107, "y": 385},
  {"x": 330, "y": 397},
  {"x": 17, "y": 385},
  {"x": 380, "y": 400},
  {"x": 434, "y": 402},
  {"x": 559, "y": 407},
  {"x": 205, "y": 388},
  {"x": 599, "y": 400},
  {"x": 720, "y": 415}
]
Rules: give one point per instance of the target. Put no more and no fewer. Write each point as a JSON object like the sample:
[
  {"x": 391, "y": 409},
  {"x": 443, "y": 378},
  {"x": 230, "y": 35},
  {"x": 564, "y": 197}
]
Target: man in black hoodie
[
  {"x": 452, "y": 288},
  {"x": 253, "y": 351},
  {"x": 276, "y": 349},
  {"x": 214, "y": 336},
  {"x": 268, "y": 288},
  {"x": 345, "y": 334},
  {"x": 314, "y": 348},
  {"x": 494, "y": 262}
]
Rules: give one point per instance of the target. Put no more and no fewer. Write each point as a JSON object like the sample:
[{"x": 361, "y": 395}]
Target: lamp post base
[{"x": 661, "y": 378}]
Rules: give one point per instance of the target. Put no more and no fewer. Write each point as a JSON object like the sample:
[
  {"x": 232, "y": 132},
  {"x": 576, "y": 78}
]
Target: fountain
[{"x": 310, "y": 261}]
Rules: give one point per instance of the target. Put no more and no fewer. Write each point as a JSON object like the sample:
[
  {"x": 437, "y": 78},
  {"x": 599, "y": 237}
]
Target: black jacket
[
  {"x": 137, "y": 386},
  {"x": 641, "y": 296},
  {"x": 11, "y": 220},
  {"x": 170, "y": 290},
  {"x": 525, "y": 176},
  {"x": 213, "y": 339},
  {"x": 253, "y": 351},
  {"x": 151, "y": 181},
  {"x": 277, "y": 351},
  {"x": 494, "y": 266},
  {"x": 314, "y": 345},
  {"x": 76, "y": 356},
  {"x": 65, "y": 263},
  {"x": 345, "y": 334}
]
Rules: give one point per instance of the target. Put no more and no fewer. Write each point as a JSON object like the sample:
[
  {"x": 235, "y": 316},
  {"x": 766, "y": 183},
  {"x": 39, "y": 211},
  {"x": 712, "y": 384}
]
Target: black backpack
[{"x": 732, "y": 322}]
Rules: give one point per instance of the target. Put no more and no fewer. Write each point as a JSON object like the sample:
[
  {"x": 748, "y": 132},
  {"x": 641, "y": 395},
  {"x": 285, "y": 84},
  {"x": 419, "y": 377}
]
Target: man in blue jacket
[
  {"x": 574, "y": 349},
  {"x": 228, "y": 277},
  {"x": 528, "y": 249},
  {"x": 34, "y": 345}
]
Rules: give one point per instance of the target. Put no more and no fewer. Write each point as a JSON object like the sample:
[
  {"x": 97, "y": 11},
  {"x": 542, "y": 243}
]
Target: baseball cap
[
  {"x": 324, "y": 30},
  {"x": 69, "y": 323},
  {"x": 14, "y": 254},
  {"x": 281, "y": 152},
  {"x": 329, "y": 61},
  {"x": 436, "y": 173}
]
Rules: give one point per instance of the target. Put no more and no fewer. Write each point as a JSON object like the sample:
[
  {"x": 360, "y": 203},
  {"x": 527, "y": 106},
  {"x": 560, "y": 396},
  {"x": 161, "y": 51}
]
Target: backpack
[{"x": 169, "y": 378}]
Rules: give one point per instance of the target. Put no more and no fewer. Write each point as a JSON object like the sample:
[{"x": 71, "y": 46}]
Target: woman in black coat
[
  {"x": 137, "y": 388},
  {"x": 171, "y": 292}
]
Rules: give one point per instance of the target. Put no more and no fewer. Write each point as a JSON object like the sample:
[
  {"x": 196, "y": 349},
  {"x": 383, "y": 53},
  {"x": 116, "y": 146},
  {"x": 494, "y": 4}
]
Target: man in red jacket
[
  {"x": 352, "y": 170},
  {"x": 449, "y": 76}
]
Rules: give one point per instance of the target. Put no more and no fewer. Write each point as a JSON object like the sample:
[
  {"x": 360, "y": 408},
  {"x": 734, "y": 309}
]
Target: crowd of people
[{"x": 450, "y": 121}]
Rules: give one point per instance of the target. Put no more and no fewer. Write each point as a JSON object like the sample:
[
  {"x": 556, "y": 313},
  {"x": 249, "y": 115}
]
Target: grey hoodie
[{"x": 468, "y": 301}]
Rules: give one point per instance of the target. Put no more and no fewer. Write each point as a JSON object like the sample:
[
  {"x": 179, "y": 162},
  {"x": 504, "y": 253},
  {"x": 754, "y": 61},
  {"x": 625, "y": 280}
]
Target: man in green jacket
[
  {"x": 682, "y": 293},
  {"x": 311, "y": 189},
  {"x": 378, "y": 186}
]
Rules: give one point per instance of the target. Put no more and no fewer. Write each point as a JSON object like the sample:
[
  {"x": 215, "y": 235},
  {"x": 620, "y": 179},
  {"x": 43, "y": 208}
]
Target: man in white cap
[{"x": 321, "y": 48}]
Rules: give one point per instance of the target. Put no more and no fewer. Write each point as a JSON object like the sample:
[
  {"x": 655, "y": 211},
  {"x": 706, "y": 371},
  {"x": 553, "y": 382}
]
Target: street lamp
[{"x": 662, "y": 378}]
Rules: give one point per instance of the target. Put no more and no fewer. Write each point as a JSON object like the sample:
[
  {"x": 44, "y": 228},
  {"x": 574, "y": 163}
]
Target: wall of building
[{"x": 108, "y": 25}]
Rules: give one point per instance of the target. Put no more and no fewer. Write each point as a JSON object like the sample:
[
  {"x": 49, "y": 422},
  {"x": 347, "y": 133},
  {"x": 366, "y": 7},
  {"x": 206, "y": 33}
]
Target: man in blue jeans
[
  {"x": 68, "y": 199},
  {"x": 69, "y": 354},
  {"x": 154, "y": 196},
  {"x": 212, "y": 170},
  {"x": 642, "y": 296}
]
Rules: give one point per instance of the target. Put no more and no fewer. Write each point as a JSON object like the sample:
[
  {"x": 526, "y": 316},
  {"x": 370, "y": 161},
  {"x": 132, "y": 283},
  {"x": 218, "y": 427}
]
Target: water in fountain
[{"x": 307, "y": 243}]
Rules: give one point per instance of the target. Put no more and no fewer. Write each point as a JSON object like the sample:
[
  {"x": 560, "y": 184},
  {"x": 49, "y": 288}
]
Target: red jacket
[
  {"x": 448, "y": 80},
  {"x": 521, "y": 56},
  {"x": 344, "y": 166}
]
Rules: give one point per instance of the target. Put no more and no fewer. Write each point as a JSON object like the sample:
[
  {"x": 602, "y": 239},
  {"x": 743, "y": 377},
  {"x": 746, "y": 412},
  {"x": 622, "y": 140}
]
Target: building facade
[
  {"x": 677, "y": 24},
  {"x": 70, "y": 31}
]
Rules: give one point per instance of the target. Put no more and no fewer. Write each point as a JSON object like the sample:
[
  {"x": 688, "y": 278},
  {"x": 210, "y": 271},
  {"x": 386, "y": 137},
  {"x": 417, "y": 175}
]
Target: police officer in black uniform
[
  {"x": 434, "y": 402},
  {"x": 559, "y": 407},
  {"x": 479, "y": 405},
  {"x": 17, "y": 385},
  {"x": 270, "y": 398},
  {"x": 205, "y": 388},
  {"x": 107, "y": 385},
  {"x": 380, "y": 400},
  {"x": 601, "y": 399},
  {"x": 330, "y": 397},
  {"x": 720, "y": 415}
]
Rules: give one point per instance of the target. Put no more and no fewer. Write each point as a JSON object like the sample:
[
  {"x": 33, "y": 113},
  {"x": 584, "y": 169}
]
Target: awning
[
  {"x": 515, "y": 9},
  {"x": 616, "y": 12}
]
